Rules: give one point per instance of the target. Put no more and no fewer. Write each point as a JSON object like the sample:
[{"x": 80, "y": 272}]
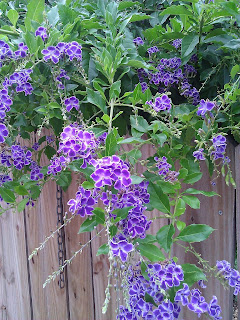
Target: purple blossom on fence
[
  {"x": 199, "y": 154},
  {"x": 5, "y": 159},
  {"x": 41, "y": 32},
  {"x": 35, "y": 146},
  {"x": 162, "y": 165},
  {"x": 167, "y": 310},
  {"x": 121, "y": 247},
  {"x": 35, "y": 173},
  {"x": 20, "y": 158},
  {"x": 50, "y": 139},
  {"x": 205, "y": 107},
  {"x": 230, "y": 274},
  {"x": 71, "y": 102},
  {"x": 20, "y": 81},
  {"x": 182, "y": 295},
  {"x": 197, "y": 302},
  {"x": 3, "y": 132},
  {"x": 111, "y": 171},
  {"x": 214, "y": 310},
  {"x": 84, "y": 202},
  {"x": 56, "y": 165},
  {"x": 138, "y": 41},
  {"x": 219, "y": 145}
]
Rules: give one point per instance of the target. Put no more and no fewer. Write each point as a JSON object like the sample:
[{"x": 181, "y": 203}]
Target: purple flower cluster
[
  {"x": 72, "y": 50},
  {"x": 189, "y": 92},
  {"x": 62, "y": 75},
  {"x": 84, "y": 202},
  {"x": 138, "y": 41},
  {"x": 56, "y": 165},
  {"x": 162, "y": 103},
  {"x": 189, "y": 71},
  {"x": 230, "y": 274},
  {"x": 111, "y": 171},
  {"x": 219, "y": 145},
  {"x": 20, "y": 158},
  {"x": 177, "y": 43},
  {"x": 4, "y": 178},
  {"x": 205, "y": 107},
  {"x": 71, "y": 102},
  {"x": 3, "y": 132},
  {"x": 164, "y": 169},
  {"x": 199, "y": 154},
  {"x": 41, "y": 32},
  {"x": 20, "y": 81},
  {"x": 152, "y": 50},
  {"x": 35, "y": 173},
  {"x": 77, "y": 144},
  {"x": 121, "y": 247},
  {"x": 5, "y": 51}
]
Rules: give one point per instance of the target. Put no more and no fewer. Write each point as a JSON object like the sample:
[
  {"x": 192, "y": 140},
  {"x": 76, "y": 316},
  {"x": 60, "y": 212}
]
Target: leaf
[
  {"x": 88, "y": 225},
  {"x": 164, "y": 237},
  {"x": 137, "y": 64},
  {"x": 192, "y": 273},
  {"x": 111, "y": 144},
  {"x": 235, "y": 70},
  {"x": 195, "y": 233},
  {"x": 100, "y": 215},
  {"x": 180, "y": 207},
  {"x": 176, "y": 10},
  {"x": 49, "y": 152},
  {"x": 13, "y": 16},
  {"x": 127, "y": 4},
  {"x": 104, "y": 249},
  {"x": 192, "y": 201},
  {"x": 193, "y": 177},
  {"x": 205, "y": 193},
  {"x": 131, "y": 140},
  {"x": 150, "y": 251},
  {"x": 180, "y": 225},
  {"x": 136, "y": 179},
  {"x": 21, "y": 190},
  {"x": 7, "y": 195},
  {"x": 143, "y": 270},
  {"x": 35, "y": 9},
  {"x": 139, "y": 17},
  {"x": 53, "y": 16},
  {"x": 150, "y": 299},
  {"x": 88, "y": 185},
  {"x": 115, "y": 89},
  {"x": 22, "y": 204},
  {"x": 139, "y": 123},
  {"x": 232, "y": 44},
  {"x": 95, "y": 98},
  {"x": 121, "y": 213},
  {"x": 189, "y": 43},
  {"x": 158, "y": 199},
  {"x": 31, "y": 42},
  {"x": 64, "y": 179}
]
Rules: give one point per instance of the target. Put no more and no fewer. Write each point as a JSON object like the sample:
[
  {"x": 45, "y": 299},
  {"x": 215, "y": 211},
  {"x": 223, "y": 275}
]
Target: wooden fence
[{"x": 22, "y": 296}]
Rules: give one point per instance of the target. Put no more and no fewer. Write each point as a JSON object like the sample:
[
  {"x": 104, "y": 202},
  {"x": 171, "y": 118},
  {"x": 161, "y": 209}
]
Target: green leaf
[
  {"x": 100, "y": 215},
  {"x": 150, "y": 299},
  {"x": 121, "y": 213},
  {"x": 136, "y": 179},
  {"x": 7, "y": 195},
  {"x": 115, "y": 89},
  {"x": 35, "y": 9},
  {"x": 22, "y": 204},
  {"x": 205, "y": 193},
  {"x": 150, "y": 251},
  {"x": 192, "y": 273},
  {"x": 53, "y": 16},
  {"x": 88, "y": 185},
  {"x": 139, "y": 17},
  {"x": 127, "y": 4},
  {"x": 88, "y": 225},
  {"x": 192, "y": 201},
  {"x": 158, "y": 199},
  {"x": 180, "y": 207},
  {"x": 177, "y": 10},
  {"x": 95, "y": 98},
  {"x": 137, "y": 64},
  {"x": 235, "y": 70},
  {"x": 21, "y": 190},
  {"x": 31, "y": 42},
  {"x": 180, "y": 225},
  {"x": 49, "y": 152},
  {"x": 143, "y": 270},
  {"x": 193, "y": 177},
  {"x": 164, "y": 237},
  {"x": 195, "y": 233},
  {"x": 139, "y": 123},
  {"x": 111, "y": 144},
  {"x": 13, "y": 16},
  {"x": 131, "y": 140},
  {"x": 189, "y": 43},
  {"x": 64, "y": 179},
  {"x": 104, "y": 249}
]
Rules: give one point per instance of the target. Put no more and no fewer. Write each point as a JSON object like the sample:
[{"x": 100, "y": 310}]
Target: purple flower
[
  {"x": 177, "y": 43},
  {"x": 162, "y": 103},
  {"x": 62, "y": 75},
  {"x": 219, "y": 145},
  {"x": 167, "y": 311},
  {"x": 3, "y": 132},
  {"x": 22, "y": 51},
  {"x": 214, "y": 310},
  {"x": 35, "y": 173},
  {"x": 197, "y": 302},
  {"x": 74, "y": 51},
  {"x": 56, "y": 165},
  {"x": 50, "y": 139},
  {"x": 205, "y": 106},
  {"x": 152, "y": 50},
  {"x": 41, "y": 32},
  {"x": 144, "y": 86},
  {"x": 138, "y": 41},
  {"x": 199, "y": 155},
  {"x": 182, "y": 295},
  {"x": 162, "y": 165},
  {"x": 109, "y": 171},
  {"x": 189, "y": 71},
  {"x": 20, "y": 157},
  {"x": 35, "y": 146},
  {"x": 120, "y": 247},
  {"x": 71, "y": 102},
  {"x": 229, "y": 274},
  {"x": 51, "y": 53}
]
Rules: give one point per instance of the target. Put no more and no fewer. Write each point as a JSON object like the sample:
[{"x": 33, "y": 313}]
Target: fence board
[
  {"x": 237, "y": 166},
  {"x": 218, "y": 212},
  {"x": 14, "y": 296},
  {"x": 79, "y": 272}
]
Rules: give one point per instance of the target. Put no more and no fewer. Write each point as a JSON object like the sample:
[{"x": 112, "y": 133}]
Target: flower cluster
[
  {"x": 152, "y": 50},
  {"x": 121, "y": 247},
  {"x": 3, "y": 132},
  {"x": 20, "y": 158},
  {"x": 56, "y": 165},
  {"x": 35, "y": 173},
  {"x": 219, "y": 145},
  {"x": 84, "y": 202},
  {"x": 177, "y": 43},
  {"x": 62, "y": 75},
  {"x": 164, "y": 169},
  {"x": 72, "y": 50},
  {"x": 41, "y": 32},
  {"x": 111, "y": 171},
  {"x": 19, "y": 80},
  {"x": 199, "y": 154},
  {"x": 162, "y": 103},
  {"x": 230, "y": 274},
  {"x": 138, "y": 41},
  {"x": 71, "y": 102},
  {"x": 4, "y": 178}
]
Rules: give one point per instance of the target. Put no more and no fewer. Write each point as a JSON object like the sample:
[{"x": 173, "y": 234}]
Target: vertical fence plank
[
  {"x": 237, "y": 166},
  {"x": 14, "y": 286},
  {"x": 79, "y": 272},
  {"x": 219, "y": 213}
]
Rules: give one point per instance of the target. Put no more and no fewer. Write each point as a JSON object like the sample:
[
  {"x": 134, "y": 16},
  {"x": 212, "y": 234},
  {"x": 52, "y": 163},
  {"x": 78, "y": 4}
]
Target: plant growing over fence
[{"x": 106, "y": 74}]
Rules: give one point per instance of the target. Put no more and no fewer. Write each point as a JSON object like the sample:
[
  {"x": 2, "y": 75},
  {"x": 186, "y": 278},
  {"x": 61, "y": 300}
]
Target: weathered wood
[
  {"x": 79, "y": 272},
  {"x": 237, "y": 166},
  {"x": 14, "y": 285},
  {"x": 218, "y": 212}
]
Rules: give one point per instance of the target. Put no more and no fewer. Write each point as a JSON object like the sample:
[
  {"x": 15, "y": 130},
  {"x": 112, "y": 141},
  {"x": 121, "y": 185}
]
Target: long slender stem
[{"x": 111, "y": 115}]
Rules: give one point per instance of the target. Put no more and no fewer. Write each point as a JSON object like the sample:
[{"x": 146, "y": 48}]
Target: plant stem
[{"x": 111, "y": 115}]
